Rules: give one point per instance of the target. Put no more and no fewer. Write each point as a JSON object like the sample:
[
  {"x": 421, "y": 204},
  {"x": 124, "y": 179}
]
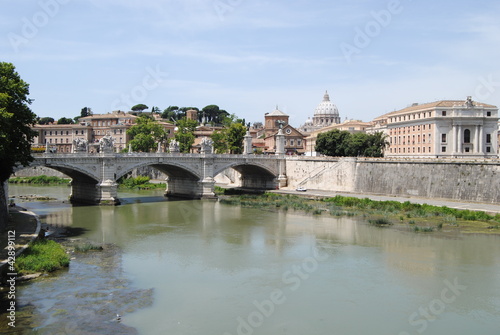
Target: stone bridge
[{"x": 94, "y": 176}]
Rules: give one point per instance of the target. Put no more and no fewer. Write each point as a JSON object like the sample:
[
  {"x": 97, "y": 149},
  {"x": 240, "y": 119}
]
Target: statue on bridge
[
  {"x": 106, "y": 144},
  {"x": 173, "y": 147},
  {"x": 207, "y": 145},
  {"x": 80, "y": 145}
]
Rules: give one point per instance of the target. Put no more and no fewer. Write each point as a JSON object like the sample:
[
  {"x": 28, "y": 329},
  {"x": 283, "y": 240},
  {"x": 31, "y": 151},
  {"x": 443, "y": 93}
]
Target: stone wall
[
  {"x": 38, "y": 171},
  {"x": 458, "y": 180}
]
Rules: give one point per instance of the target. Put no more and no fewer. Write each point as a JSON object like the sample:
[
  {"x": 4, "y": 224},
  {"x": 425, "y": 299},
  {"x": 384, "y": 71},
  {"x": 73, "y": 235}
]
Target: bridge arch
[
  {"x": 84, "y": 183},
  {"x": 182, "y": 180},
  {"x": 253, "y": 175}
]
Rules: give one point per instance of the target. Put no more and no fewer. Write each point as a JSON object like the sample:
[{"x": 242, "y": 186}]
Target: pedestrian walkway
[{"x": 473, "y": 206}]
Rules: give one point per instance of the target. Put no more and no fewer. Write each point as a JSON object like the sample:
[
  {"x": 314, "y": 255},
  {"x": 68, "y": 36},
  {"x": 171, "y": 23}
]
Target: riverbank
[
  {"x": 405, "y": 214},
  {"x": 23, "y": 227}
]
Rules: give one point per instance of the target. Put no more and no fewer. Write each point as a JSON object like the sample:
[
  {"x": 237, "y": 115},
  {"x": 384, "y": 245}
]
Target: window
[
  {"x": 443, "y": 138},
  {"x": 467, "y": 149},
  {"x": 443, "y": 113},
  {"x": 488, "y": 138},
  {"x": 67, "y": 140},
  {"x": 423, "y": 149},
  {"x": 488, "y": 149},
  {"x": 67, "y": 132},
  {"x": 443, "y": 149},
  {"x": 299, "y": 142},
  {"x": 51, "y": 132},
  {"x": 488, "y": 113},
  {"x": 466, "y": 136},
  {"x": 292, "y": 142}
]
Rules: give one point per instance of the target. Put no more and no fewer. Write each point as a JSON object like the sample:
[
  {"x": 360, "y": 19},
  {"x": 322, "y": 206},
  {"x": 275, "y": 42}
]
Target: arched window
[{"x": 466, "y": 136}]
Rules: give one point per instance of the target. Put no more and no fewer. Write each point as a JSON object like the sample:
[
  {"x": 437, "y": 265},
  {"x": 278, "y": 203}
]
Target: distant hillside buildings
[{"x": 447, "y": 128}]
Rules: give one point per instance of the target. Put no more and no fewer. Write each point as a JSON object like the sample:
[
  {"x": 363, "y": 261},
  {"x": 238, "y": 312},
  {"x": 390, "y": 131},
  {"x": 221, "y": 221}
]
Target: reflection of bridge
[{"x": 94, "y": 176}]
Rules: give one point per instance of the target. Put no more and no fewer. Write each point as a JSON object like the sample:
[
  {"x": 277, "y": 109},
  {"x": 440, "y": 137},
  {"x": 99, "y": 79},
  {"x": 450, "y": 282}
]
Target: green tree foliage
[
  {"x": 46, "y": 120},
  {"x": 342, "y": 143},
  {"x": 213, "y": 114},
  {"x": 229, "y": 139},
  {"x": 65, "y": 120},
  {"x": 146, "y": 134},
  {"x": 174, "y": 113},
  {"x": 86, "y": 111},
  {"x": 139, "y": 107},
  {"x": 185, "y": 134},
  {"x": 16, "y": 119},
  {"x": 220, "y": 142}
]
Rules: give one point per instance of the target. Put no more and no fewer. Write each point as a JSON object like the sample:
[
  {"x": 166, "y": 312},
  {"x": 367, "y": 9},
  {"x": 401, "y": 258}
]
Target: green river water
[{"x": 201, "y": 267}]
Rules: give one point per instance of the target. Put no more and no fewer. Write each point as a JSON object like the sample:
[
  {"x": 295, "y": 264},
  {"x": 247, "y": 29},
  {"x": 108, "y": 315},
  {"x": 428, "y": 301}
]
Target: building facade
[
  {"x": 266, "y": 137},
  {"x": 447, "y": 128}
]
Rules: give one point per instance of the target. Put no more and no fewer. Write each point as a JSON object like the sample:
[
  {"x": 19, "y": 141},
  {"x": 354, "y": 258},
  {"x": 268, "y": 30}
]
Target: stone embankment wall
[
  {"x": 446, "y": 179},
  {"x": 38, "y": 171}
]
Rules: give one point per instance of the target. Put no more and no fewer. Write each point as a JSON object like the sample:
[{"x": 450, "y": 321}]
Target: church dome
[{"x": 326, "y": 108}]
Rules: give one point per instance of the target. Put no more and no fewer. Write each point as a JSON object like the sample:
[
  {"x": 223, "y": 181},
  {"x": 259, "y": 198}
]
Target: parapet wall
[{"x": 459, "y": 180}]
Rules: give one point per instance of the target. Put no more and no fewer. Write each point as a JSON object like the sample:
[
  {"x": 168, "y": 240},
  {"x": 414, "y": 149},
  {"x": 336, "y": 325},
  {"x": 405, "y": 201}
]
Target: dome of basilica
[{"x": 326, "y": 108}]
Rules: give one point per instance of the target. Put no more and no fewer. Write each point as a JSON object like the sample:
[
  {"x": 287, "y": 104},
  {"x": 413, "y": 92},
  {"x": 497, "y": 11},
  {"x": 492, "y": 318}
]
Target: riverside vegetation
[
  {"x": 39, "y": 180},
  {"x": 421, "y": 218},
  {"x": 42, "y": 256}
]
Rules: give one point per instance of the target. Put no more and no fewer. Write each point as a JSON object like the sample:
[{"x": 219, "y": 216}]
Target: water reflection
[{"x": 211, "y": 264}]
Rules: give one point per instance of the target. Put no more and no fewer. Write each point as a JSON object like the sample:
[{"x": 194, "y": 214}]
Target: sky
[{"x": 249, "y": 56}]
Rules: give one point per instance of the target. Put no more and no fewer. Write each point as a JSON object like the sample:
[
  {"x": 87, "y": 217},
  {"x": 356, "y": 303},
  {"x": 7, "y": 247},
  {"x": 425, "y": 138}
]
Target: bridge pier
[
  {"x": 90, "y": 193},
  {"x": 207, "y": 188},
  {"x": 108, "y": 193}
]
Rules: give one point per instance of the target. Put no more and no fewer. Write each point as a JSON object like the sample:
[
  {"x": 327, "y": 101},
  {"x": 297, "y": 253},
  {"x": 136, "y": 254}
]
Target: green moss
[{"x": 42, "y": 256}]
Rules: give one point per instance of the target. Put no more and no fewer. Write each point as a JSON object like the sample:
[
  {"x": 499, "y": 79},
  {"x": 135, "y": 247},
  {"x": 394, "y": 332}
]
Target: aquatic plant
[{"x": 88, "y": 247}]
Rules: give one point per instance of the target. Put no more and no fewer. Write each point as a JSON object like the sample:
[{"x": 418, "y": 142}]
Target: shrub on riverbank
[
  {"x": 39, "y": 180},
  {"x": 411, "y": 209},
  {"x": 42, "y": 256},
  {"x": 430, "y": 217}
]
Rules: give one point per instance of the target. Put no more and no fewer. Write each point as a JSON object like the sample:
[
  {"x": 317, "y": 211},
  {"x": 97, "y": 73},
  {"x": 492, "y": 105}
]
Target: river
[{"x": 201, "y": 267}]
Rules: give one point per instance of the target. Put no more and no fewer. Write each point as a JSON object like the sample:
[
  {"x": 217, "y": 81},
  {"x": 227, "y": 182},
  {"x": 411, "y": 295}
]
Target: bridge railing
[{"x": 155, "y": 154}]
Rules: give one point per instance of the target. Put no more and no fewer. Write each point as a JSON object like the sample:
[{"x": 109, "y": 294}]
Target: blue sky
[{"x": 247, "y": 56}]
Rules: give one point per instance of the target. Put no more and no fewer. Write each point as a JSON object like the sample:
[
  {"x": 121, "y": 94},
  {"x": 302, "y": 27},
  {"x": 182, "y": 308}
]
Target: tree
[
  {"x": 219, "y": 140},
  {"x": 332, "y": 143},
  {"x": 229, "y": 139},
  {"x": 86, "y": 111},
  {"x": 46, "y": 120},
  {"x": 65, "y": 120},
  {"x": 342, "y": 143},
  {"x": 235, "y": 135},
  {"x": 185, "y": 134},
  {"x": 146, "y": 134},
  {"x": 213, "y": 114},
  {"x": 16, "y": 119},
  {"x": 139, "y": 107}
]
